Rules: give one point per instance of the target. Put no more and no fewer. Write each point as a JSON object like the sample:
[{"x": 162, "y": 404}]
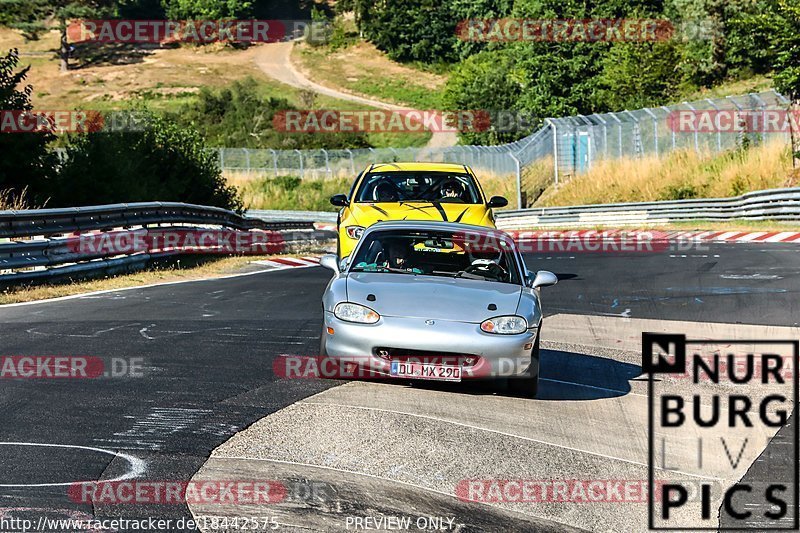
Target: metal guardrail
[
  {"x": 77, "y": 219},
  {"x": 271, "y": 215},
  {"x": 54, "y": 243},
  {"x": 773, "y": 204}
]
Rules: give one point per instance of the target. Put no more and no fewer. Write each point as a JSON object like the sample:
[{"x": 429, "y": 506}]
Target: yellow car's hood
[{"x": 366, "y": 214}]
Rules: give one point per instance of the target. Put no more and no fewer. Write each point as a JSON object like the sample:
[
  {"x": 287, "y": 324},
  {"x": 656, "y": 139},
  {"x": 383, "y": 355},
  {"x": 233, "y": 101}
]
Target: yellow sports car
[{"x": 411, "y": 191}]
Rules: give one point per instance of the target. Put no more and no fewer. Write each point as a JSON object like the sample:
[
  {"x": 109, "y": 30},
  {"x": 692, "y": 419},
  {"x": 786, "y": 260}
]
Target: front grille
[{"x": 426, "y": 356}]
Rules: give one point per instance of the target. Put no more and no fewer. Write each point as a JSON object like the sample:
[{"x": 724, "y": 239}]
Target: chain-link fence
[
  {"x": 573, "y": 143},
  {"x": 705, "y": 126}
]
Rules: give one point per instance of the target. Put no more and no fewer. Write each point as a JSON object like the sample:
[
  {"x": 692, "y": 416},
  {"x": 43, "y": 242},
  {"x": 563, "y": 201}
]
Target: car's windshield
[
  {"x": 403, "y": 186},
  {"x": 485, "y": 256}
]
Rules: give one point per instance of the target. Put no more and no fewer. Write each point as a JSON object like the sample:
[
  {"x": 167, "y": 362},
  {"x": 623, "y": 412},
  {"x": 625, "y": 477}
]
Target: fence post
[
  {"x": 605, "y": 135},
  {"x": 655, "y": 129},
  {"x": 619, "y": 134},
  {"x": 302, "y": 169},
  {"x": 637, "y": 135},
  {"x": 719, "y": 131},
  {"x": 274, "y": 162},
  {"x": 740, "y": 133},
  {"x": 247, "y": 158},
  {"x": 352, "y": 161},
  {"x": 696, "y": 134},
  {"x": 327, "y": 163},
  {"x": 669, "y": 111},
  {"x": 763, "y": 107},
  {"x": 552, "y": 125},
  {"x": 222, "y": 158},
  {"x": 519, "y": 180}
]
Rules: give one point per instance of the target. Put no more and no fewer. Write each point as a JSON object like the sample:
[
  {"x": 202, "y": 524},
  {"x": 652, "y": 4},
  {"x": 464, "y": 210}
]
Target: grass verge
[
  {"x": 364, "y": 70},
  {"x": 680, "y": 175}
]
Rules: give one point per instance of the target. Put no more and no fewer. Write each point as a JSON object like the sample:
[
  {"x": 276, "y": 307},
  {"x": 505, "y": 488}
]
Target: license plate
[{"x": 425, "y": 371}]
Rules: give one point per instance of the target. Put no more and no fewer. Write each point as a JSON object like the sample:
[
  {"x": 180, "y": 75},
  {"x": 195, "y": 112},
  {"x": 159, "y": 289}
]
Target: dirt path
[{"x": 275, "y": 60}]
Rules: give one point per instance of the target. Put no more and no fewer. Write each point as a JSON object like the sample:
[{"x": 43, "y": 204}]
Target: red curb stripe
[{"x": 287, "y": 262}]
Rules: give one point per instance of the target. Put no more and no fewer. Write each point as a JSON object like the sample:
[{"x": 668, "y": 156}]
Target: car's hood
[
  {"x": 368, "y": 214},
  {"x": 436, "y": 297}
]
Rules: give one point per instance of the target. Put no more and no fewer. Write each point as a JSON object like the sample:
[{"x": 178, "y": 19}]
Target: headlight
[
  {"x": 355, "y": 232},
  {"x": 355, "y": 313},
  {"x": 505, "y": 325}
]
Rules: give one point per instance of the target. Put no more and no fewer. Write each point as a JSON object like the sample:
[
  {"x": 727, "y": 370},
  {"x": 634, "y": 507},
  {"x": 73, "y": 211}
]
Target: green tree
[
  {"x": 160, "y": 162},
  {"x": 34, "y": 17},
  {"x": 787, "y": 77},
  {"x": 636, "y": 75},
  {"x": 238, "y": 115},
  {"x": 206, "y": 9},
  {"x": 423, "y": 30},
  {"x": 485, "y": 81},
  {"x": 26, "y": 161}
]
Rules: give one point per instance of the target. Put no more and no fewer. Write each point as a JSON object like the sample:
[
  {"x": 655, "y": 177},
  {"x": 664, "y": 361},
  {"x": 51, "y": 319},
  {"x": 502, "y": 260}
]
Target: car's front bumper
[{"x": 497, "y": 355}]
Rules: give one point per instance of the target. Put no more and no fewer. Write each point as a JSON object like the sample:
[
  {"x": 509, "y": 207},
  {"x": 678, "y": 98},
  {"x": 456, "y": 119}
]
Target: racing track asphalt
[{"x": 207, "y": 349}]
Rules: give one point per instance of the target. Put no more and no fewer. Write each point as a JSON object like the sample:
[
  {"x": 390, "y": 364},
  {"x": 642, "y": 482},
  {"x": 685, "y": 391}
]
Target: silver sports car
[{"x": 435, "y": 300}]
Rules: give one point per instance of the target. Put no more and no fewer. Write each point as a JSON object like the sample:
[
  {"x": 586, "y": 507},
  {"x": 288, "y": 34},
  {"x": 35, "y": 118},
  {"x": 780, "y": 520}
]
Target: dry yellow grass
[
  {"x": 682, "y": 174},
  {"x": 9, "y": 200}
]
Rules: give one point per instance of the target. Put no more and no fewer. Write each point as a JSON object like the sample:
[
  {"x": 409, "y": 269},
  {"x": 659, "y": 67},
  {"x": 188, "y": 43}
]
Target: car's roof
[{"x": 417, "y": 166}]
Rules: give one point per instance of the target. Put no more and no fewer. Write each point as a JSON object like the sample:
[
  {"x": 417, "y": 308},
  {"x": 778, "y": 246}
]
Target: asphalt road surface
[{"x": 206, "y": 349}]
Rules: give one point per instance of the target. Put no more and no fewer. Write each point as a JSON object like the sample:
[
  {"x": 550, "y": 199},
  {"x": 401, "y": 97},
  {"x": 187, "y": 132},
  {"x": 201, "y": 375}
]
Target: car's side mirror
[
  {"x": 330, "y": 261},
  {"x": 543, "y": 278},
  {"x": 339, "y": 200},
  {"x": 497, "y": 201}
]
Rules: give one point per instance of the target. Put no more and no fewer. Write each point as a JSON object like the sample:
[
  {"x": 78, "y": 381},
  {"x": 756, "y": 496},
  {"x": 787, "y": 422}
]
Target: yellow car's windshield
[{"x": 423, "y": 186}]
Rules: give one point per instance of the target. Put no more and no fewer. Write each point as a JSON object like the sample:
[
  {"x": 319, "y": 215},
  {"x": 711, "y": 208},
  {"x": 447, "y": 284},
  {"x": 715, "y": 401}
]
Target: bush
[
  {"x": 485, "y": 81},
  {"x": 240, "y": 116},
  {"x": 425, "y": 30},
  {"x": 26, "y": 161},
  {"x": 161, "y": 162},
  {"x": 206, "y": 9}
]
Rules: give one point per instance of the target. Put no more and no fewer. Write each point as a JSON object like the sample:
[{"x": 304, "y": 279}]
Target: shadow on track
[{"x": 565, "y": 376}]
